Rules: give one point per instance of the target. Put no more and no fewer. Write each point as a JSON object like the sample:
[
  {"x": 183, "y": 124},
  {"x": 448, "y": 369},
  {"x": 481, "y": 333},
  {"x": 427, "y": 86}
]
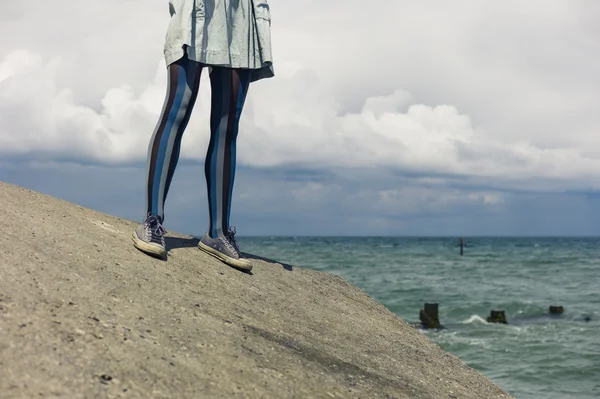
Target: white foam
[{"x": 474, "y": 319}]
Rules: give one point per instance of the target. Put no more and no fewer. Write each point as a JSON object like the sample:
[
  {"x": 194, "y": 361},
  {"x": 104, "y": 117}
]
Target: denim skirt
[{"x": 224, "y": 33}]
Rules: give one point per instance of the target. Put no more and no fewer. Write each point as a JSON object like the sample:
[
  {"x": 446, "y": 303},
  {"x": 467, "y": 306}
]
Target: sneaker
[
  {"x": 226, "y": 249},
  {"x": 148, "y": 237}
]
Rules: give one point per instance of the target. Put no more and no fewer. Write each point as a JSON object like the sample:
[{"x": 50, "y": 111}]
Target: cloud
[
  {"x": 502, "y": 95},
  {"x": 294, "y": 121},
  {"x": 273, "y": 202}
]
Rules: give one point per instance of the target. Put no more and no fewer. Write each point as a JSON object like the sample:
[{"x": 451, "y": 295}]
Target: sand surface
[{"x": 83, "y": 314}]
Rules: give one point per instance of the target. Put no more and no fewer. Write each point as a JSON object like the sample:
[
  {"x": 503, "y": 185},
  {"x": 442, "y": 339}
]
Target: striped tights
[{"x": 229, "y": 88}]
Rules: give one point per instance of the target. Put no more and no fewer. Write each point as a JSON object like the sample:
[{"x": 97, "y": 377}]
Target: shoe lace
[
  {"x": 153, "y": 222},
  {"x": 231, "y": 238}
]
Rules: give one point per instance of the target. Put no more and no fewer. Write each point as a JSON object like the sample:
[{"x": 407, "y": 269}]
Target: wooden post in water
[
  {"x": 461, "y": 242},
  {"x": 497, "y": 316},
  {"x": 429, "y": 316},
  {"x": 556, "y": 310}
]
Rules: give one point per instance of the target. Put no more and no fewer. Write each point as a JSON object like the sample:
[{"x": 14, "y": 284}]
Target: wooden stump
[
  {"x": 429, "y": 316},
  {"x": 497, "y": 316},
  {"x": 556, "y": 310}
]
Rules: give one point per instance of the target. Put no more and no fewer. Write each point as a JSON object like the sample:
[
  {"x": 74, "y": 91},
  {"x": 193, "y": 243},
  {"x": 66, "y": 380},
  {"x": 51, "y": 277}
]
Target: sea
[{"x": 535, "y": 355}]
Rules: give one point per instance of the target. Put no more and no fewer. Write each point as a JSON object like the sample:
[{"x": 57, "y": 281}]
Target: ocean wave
[{"x": 474, "y": 319}]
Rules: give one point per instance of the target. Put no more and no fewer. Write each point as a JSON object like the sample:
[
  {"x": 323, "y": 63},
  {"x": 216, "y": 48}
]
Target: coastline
[{"x": 83, "y": 313}]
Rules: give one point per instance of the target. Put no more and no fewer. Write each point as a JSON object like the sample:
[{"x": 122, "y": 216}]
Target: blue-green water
[{"x": 531, "y": 358}]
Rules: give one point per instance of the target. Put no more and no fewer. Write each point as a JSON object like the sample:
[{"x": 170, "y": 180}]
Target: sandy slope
[{"x": 84, "y": 314}]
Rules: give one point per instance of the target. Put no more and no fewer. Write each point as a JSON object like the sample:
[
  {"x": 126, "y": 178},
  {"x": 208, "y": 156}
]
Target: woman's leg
[
  {"x": 163, "y": 151},
  {"x": 229, "y": 88}
]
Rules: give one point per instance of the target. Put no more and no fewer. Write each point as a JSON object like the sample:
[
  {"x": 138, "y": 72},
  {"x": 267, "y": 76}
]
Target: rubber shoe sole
[
  {"x": 151, "y": 249},
  {"x": 241, "y": 264}
]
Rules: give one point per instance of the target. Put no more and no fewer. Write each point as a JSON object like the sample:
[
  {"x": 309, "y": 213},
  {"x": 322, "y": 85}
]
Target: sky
[{"x": 387, "y": 117}]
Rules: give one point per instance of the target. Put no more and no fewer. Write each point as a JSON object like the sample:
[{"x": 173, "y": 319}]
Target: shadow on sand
[
  {"x": 192, "y": 242},
  {"x": 178, "y": 242},
  {"x": 286, "y": 266}
]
